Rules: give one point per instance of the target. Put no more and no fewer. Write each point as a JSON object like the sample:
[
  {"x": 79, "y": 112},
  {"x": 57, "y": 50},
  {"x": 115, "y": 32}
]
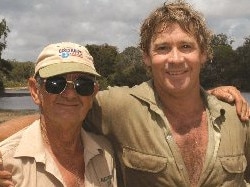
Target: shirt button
[
  {"x": 169, "y": 137},
  {"x": 181, "y": 167}
]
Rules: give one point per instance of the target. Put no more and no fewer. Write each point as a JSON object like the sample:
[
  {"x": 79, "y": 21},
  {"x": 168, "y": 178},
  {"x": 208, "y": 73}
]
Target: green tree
[
  {"x": 20, "y": 73},
  {"x": 220, "y": 70},
  {"x": 104, "y": 59},
  {"x": 4, "y": 30},
  {"x": 129, "y": 69},
  {"x": 243, "y": 66},
  {"x": 5, "y": 69}
]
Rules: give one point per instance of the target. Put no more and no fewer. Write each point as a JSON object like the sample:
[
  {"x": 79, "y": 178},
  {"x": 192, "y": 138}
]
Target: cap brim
[{"x": 62, "y": 68}]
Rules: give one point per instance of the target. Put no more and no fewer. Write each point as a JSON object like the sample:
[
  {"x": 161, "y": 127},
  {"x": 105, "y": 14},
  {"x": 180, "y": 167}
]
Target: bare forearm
[{"x": 12, "y": 126}]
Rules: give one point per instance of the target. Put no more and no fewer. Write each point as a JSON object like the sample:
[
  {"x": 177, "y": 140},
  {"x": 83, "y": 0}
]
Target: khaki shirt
[
  {"x": 32, "y": 166},
  {"x": 132, "y": 118}
]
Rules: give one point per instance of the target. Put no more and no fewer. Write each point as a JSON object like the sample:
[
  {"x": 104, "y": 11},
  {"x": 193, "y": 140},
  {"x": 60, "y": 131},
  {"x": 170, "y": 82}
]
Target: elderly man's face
[{"x": 67, "y": 107}]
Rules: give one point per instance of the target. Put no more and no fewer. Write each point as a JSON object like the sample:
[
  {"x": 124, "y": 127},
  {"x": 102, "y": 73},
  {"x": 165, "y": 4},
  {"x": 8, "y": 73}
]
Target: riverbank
[
  {"x": 6, "y": 115},
  {"x": 15, "y": 92}
]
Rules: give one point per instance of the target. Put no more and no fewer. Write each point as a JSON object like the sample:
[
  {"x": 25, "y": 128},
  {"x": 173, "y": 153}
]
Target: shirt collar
[
  {"x": 31, "y": 144},
  {"x": 211, "y": 102},
  {"x": 91, "y": 147}
]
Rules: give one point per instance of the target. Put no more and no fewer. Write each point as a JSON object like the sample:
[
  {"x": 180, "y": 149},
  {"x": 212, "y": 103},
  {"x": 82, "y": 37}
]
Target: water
[
  {"x": 17, "y": 100},
  {"x": 247, "y": 96},
  {"x": 25, "y": 102}
]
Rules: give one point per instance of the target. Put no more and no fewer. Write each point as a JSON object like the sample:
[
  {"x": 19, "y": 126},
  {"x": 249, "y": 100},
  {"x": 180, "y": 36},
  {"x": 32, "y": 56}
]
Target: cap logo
[{"x": 67, "y": 52}]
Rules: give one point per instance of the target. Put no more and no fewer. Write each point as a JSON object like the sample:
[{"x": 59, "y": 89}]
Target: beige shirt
[
  {"x": 32, "y": 166},
  {"x": 147, "y": 153}
]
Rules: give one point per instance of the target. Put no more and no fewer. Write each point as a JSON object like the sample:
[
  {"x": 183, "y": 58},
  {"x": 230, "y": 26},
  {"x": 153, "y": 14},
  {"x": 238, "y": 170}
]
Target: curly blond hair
[{"x": 182, "y": 13}]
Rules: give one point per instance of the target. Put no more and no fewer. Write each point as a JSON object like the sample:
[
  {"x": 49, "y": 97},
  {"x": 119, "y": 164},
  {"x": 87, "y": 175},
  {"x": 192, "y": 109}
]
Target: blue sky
[{"x": 36, "y": 23}]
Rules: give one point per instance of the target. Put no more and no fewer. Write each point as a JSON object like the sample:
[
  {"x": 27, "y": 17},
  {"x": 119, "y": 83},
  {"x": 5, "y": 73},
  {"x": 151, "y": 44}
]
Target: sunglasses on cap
[{"x": 57, "y": 84}]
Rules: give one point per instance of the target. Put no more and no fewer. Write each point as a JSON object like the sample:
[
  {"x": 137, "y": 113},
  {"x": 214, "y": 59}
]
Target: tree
[
  {"x": 129, "y": 68},
  {"x": 220, "y": 70},
  {"x": 104, "y": 59},
  {"x": 4, "y": 30},
  {"x": 21, "y": 71},
  {"x": 243, "y": 65}
]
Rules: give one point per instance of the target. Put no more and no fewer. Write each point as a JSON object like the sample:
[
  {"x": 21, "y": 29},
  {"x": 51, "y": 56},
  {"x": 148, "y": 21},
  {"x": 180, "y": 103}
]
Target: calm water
[
  {"x": 26, "y": 103},
  {"x": 17, "y": 102},
  {"x": 247, "y": 96}
]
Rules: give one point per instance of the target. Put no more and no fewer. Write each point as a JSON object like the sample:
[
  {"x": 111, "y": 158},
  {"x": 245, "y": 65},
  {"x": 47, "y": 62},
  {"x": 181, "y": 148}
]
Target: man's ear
[
  {"x": 34, "y": 90},
  {"x": 96, "y": 89},
  {"x": 146, "y": 59}
]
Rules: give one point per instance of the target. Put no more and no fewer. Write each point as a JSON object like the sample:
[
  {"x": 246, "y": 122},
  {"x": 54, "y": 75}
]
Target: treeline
[{"x": 228, "y": 67}]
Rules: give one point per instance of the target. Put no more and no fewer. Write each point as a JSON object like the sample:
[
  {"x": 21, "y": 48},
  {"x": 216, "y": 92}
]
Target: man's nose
[
  {"x": 176, "y": 56},
  {"x": 69, "y": 89}
]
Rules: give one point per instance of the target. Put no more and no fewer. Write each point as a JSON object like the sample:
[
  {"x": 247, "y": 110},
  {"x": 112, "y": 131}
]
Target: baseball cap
[{"x": 65, "y": 57}]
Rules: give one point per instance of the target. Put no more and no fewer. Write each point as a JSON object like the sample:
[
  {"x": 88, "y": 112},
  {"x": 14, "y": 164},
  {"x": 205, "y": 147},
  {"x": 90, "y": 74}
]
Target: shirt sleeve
[
  {"x": 247, "y": 172},
  {"x": 97, "y": 120}
]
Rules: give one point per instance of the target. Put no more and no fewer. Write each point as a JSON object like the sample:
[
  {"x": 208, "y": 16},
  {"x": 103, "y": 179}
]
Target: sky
[{"x": 37, "y": 23}]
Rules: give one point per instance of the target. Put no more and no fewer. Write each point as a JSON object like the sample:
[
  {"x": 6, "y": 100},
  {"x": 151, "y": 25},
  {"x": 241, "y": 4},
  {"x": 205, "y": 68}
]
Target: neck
[
  {"x": 60, "y": 139},
  {"x": 188, "y": 102},
  {"x": 183, "y": 112}
]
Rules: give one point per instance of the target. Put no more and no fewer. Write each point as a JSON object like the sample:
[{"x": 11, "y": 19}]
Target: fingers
[
  {"x": 5, "y": 176},
  {"x": 241, "y": 104},
  {"x": 5, "y": 179},
  {"x": 231, "y": 94},
  {"x": 6, "y": 183},
  {"x": 222, "y": 93}
]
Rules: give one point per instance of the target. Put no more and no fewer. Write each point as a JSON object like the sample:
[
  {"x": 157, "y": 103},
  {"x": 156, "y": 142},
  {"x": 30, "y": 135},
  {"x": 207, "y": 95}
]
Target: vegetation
[
  {"x": 228, "y": 67},
  {"x": 4, "y": 30}
]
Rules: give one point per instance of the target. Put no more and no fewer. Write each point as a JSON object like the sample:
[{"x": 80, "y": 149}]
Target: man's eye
[
  {"x": 186, "y": 46},
  {"x": 163, "y": 48}
]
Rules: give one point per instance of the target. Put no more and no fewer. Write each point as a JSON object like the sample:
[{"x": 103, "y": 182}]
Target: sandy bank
[{"x": 10, "y": 114}]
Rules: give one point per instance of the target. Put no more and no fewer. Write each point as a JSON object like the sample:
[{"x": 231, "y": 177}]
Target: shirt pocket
[
  {"x": 134, "y": 159},
  {"x": 234, "y": 164}
]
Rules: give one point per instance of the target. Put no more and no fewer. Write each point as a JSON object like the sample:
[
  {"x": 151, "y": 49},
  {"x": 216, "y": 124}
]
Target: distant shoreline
[
  {"x": 17, "y": 88},
  {"x": 14, "y": 94},
  {"x": 6, "y": 114}
]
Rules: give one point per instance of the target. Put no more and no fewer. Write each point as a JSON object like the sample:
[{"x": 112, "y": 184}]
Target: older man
[{"x": 55, "y": 150}]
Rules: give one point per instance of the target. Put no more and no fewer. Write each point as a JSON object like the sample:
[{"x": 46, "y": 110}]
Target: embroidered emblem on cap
[{"x": 65, "y": 53}]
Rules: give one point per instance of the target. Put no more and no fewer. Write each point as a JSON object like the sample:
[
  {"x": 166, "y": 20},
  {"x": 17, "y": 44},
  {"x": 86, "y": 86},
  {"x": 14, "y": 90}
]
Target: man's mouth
[{"x": 175, "y": 72}]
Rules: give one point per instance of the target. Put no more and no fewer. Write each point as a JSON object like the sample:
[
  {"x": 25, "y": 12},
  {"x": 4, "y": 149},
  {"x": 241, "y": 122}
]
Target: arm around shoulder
[
  {"x": 12, "y": 126},
  {"x": 231, "y": 94}
]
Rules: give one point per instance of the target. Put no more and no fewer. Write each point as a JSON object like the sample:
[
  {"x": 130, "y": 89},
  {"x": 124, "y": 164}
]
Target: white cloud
[{"x": 34, "y": 24}]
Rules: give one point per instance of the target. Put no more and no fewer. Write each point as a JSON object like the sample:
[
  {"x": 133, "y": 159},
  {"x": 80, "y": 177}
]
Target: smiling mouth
[
  {"x": 176, "y": 72},
  {"x": 67, "y": 105},
  {"x": 176, "y": 69}
]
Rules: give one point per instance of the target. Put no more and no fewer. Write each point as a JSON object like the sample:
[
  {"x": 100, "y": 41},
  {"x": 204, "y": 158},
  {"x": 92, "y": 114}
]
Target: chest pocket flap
[
  {"x": 144, "y": 162},
  {"x": 234, "y": 164}
]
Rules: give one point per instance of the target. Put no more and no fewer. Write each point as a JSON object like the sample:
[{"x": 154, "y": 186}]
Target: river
[
  {"x": 17, "y": 100},
  {"x": 21, "y": 100}
]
